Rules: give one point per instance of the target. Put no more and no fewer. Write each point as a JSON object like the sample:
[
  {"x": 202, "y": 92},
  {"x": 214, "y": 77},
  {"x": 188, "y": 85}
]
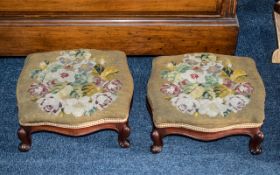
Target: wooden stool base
[
  {"x": 158, "y": 134},
  {"x": 255, "y": 133},
  {"x": 25, "y": 132}
]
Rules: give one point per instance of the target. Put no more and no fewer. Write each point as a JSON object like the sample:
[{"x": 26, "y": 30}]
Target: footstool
[
  {"x": 74, "y": 92},
  {"x": 206, "y": 96}
]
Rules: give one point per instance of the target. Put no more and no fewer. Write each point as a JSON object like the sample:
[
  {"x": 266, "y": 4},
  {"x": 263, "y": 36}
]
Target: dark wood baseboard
[
  {"x": 25, "y": 132},
  {"x": 143, "y": 36}
]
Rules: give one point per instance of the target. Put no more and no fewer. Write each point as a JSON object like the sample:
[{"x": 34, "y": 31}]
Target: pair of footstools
[{"x": 204, "y": 96}]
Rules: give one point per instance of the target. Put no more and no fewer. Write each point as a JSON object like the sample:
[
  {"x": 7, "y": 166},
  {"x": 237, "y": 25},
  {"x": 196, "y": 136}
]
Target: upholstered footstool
[
  {"x": 206, "y": 96},
  {"x": 74, "y": 93}
]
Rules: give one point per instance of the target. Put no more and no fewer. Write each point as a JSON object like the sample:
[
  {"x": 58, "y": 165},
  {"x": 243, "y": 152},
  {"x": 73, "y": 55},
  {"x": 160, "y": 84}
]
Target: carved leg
[
  {"x": 124, "y": 132},
  {"x": 255, "y": 143},
  {"x": 25, "y": 137},
  {"x": 157, "y": 139}
]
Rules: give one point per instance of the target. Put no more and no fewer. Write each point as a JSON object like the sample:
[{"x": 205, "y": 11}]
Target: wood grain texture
[
  {"x": 138, "y": 27},
  {"x": 135, "y": 37},
  {"x": 115, "y": 7}
]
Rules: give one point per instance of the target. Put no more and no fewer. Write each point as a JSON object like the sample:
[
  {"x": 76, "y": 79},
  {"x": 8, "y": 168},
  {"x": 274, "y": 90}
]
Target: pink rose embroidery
[
  {"x": 113, "y": 86},
  {"x": 244, "y": 89},
  {"x": 38, "y": 90},
  {"x": 170, "y": 89},
  {"x": 228, "y": 83},
  {"x": 183, "y": 83},
  {"x": 98, "y": 81}
]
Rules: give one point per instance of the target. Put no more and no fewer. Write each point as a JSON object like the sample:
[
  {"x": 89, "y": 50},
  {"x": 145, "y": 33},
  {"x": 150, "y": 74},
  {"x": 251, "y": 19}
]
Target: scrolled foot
[
  {"x": 156, "y": 149},
  {"x": 158, "y": 144},
  {"x": 24, "y": 147},
  {"x": 124, "y": 133},
  {"x": 124, "y": 144},
  {"x": 25, "y": 137},
  {"x": 255, "y": 143}
]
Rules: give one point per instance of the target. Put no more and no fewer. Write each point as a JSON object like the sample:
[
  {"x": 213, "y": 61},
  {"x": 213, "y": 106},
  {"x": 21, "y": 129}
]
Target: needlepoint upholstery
[
  {"x": 74, "y": 88},
  {"x": 206, "y": 92}
]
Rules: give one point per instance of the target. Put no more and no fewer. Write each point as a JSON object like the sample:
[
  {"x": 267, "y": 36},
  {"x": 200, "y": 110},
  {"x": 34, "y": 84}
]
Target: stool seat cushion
[
  {"x": 206, "y": 92},
  {"x": 74, "y": 88}
]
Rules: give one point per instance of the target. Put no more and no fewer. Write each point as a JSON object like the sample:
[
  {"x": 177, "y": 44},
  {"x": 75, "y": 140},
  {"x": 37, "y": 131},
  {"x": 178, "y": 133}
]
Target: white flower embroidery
[
  {"x": 212, "y": 108},
  {"x": 50, "y": 104},
  {"x": 236, "y": 102},
  {"x": 78, "y": 107},
  {"x": 103, "y": 100},
  {"x": 185, "y": 103},
  {"x": 203, "y": 84},
  {"x": 73, "y": 84}
]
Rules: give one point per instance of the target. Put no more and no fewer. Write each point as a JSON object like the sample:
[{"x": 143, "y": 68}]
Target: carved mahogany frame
[
  {"x": 158, "y": 134},
  {"x": 25, "y": 132},
  {"x": 123, "y": 130}
]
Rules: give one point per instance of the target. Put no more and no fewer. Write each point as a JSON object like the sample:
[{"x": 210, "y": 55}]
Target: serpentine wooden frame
[
  {"x": 158, "y": 134},
  {"x": 25, "y": 132}
]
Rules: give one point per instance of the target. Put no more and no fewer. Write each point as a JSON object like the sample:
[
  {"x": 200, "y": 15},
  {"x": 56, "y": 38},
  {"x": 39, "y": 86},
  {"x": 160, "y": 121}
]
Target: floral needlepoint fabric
[
  {"x": 203, "y": 84},
  {"x": 74, "y": 84}
]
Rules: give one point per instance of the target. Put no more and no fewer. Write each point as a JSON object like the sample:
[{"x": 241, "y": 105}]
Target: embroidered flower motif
[
  {"x": 185, "y": 103},
  {"x": 65, "y": 92},
  {"x": 204, "y": 84},
  {"x": 38, "y": 89},
  {"x": 113, "y": 86},
  {"x": 63, "y": 75},
  {"x": 98, "y": 81},
  {"x": 194, "y": 76},
  {"x": 170, "y": 89},
  {"x": 213, "y": 67},
  {"x": 236, "y": 102},
  {"x": 103, "y": 100},
  {"x": 85, "y": 66},
  {"x": 191, "y": 60},
  {"x": 212, "y": 108},
  {"x": 244, "y": 89},
  {"x": 50, "y": 104},
  {"x": 74, "y": 84},
  {"x": 79, "y": 107},
  {"x": 228, "y": 83}
]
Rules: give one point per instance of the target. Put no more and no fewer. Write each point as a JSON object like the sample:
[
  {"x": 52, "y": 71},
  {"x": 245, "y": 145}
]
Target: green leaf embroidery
[
  {"x": 182, "y": 68},
  {"x": 34, "y": 73},
  {"x": 163, "y": 73},
  {"x": 189, "y": 87},
  {"x": 90, "y": 112},
  {"x": 211, "y": 81},
  {"x": 75, "y": 94},
  {"x": 56, "y": 88},
  {"x": 55, "y": 67}
]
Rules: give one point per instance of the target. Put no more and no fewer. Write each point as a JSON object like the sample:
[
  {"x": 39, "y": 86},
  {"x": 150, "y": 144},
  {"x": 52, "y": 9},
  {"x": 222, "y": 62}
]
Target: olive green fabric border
[
  {"x": 166, "y": 115},
  {"x": 30, "y": 115}
]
